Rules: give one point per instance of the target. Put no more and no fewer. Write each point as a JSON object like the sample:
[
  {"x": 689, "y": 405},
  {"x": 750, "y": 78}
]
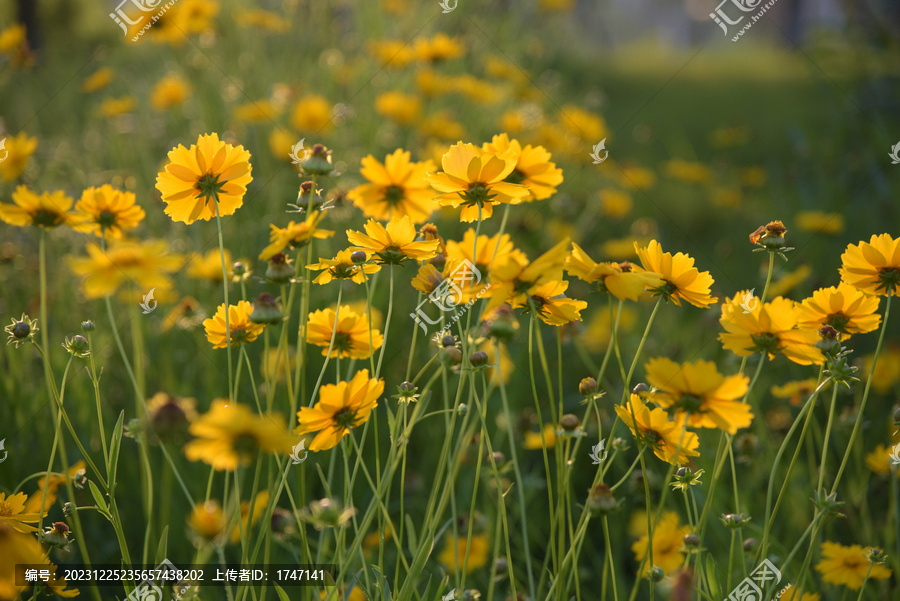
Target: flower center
[
  {"x": 394, "y": 194},
  {"x": 344, "y": 419},
  {"x": 209, "y": 186},
  {"x": 239, "y": 334},
  {"x": 890, "y": 278},
  {"x": 245, "y": 444},
  {"x": 764, "y": 343},
  {"x": 477, "y": 194},
  {"x": 106, "y": 219},
  {"x": 5, "y": 509},
  {"x": 46, "y": 218},
  {"x": 690, "y": 403},
  {"x": 516, "y": 177},
  {"x": 342, "y": 341},
  {"x": 838, "y": 321}
]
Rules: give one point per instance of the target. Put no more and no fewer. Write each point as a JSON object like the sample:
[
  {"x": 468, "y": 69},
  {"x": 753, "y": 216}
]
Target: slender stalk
[{"x": 232, "y": 393}]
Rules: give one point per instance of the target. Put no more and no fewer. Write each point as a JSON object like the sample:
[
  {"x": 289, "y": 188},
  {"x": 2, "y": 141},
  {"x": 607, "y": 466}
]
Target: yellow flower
[
  {"x": 259, "y": 506},
  {"x": 340, "y": 407},
  {"x": 551, "y": 304},
  {"x": 185, "y": 18},
  {"x": 846, "y": 309},
  {"x": 209, "y": 266},
  {"x": 295, "y": 235},
  {"x": 754, "y": 177},
  {"x": 454, "y": 552},
  {"x": 887, "y": 370},
  {"x": 98, "y": 80},
  {"x": 533, "y": 167},
  {"x": 687, "y": 171},
  {"x": 730, "y": 198},
  {"x": 13, "y": 513},
  {"x": 475, "y": 179},
  {"x": 460, "y": 289},
  {"x": 263, "y": 19},
  {"x": 770, "y": 328},
  {"x": 729, "y": 137},
  {"x": 874, "y": 266},
  {"x": 681, "y": 280},
  {"x": 668, "y": 544},
  {"x": 622, "y": 249},
  {"x": 820, "y": 222},
  {"x": 443, "y": 126},
  {"x": 439, "y": 48},
  {"x": 37, "y": 502},
  {"x": 847, "y": 565},
  {"x": 393, "y": 244},
  {"x": 534, "y": 441},
  {"x": 430, "y": 83},
  {"x": 622, "y": 280},
  {"x": 230, "y": 434},
  {"x": 789, "y": 281},
  {"x": 342, "y": 267},
  {"x": 499, "y": 68},
  {"x": 697, "y": 391},
  {"x": 488, "y": 250},
  {"x": 281, "y": 144},
  {"x": 501, "y": 364},
  {"x": 207, "y": 519},
  {"x": 880, "y": 460},
  {"x": 396, "y": 188},
  {"x": 402, "y": 109},
  {"x": 208, "y": 179},
  {"x": 105, "y": 211},
  {"x": 635, "y": 177},
  {"x": 475, "y": 89},
  {"x": 18, "y": 548},
  {"x": 596, "y": 336},
  {"x": 583, "y": 124},
  {"x": 146, "y": 265},
  {"x": 395, "y": 54},
  {"x": 256, "y": 111},
  {"x": 19, "y": 149},
  {"x": 273, "y": 363},
  {"x": 312, "y": 114},
  {"x": 12, "y": 38},
  {"x": 795, "y": 391},
  {"x": 113, "y": 107},
  {"x": 515, "y": 279},
  {"x": 186, "y": 315},
  {"x": 169, "y": 92},
  {"x": 668, "y": 438},
  {"x": 48, "y": 210},
  {"x": 789, "y": 594},
  {"x": 352, "y": 337},
  {"x": 615, "y": 203},
  {"x": 242, "y": 330}
]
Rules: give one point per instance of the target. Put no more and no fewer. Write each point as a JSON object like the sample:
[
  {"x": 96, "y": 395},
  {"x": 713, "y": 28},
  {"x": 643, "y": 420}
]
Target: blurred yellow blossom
[{"x": 820, "y": 222}]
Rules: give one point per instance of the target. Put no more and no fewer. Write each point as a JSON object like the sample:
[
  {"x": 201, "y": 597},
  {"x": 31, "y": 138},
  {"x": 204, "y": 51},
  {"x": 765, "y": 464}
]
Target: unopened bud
[
  {"x": 478, "y": 359},
  {"x": 587, "y": 386},
  {"x": 358, "y": 256},
  {"x": 639, "y": 388},
  {"x": 569, "y": 422}
]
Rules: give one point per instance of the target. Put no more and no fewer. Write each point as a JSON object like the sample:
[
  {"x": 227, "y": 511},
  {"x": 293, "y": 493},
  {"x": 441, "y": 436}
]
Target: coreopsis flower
[
  {"x": 394, "y": 243},
  {"x": 105, "y": 211},
  {"x": 343, "y": 267},
  {"x": 13, "y": 513},
  {"x": 455, "y": 551},
  {"x": 442, "y": 126},
  {"x": 463, "y": 283},
  {"x": 552, "y": 306},
  {"x": 488, "y": 250},
  {"x": 623, "y": 280},
  {"x": 887, "y": 370},
  {"x": 258, "y": 507},
  {"x": 796, "y": 390},
  {"x": 312, "y": 114},
  {"x": 515, "y": 279},
  {"x": 209, "y": 266},
  {"x": 689, "y": 171},
  {"x": 263, "y": 19},
  {"x": 169, "y": 417},
  {"x": 706, "y": 398},
  {"x": 873, "y": 266},
  {"x": 208, "y": 179},
  {"x": 396, "y": 188},
  {"x": 843, "y": 307},
  {"x": 668, "y": 438},
  {"x": 18, "y": 548},
  {"x": 880, "y": 460},
  {"x": 340, "y": 407},
  {"x": 474, "y": 179},
  {"x": 230, "y": 434},
  {"x": 242, "y": 330},
  {"x": 820, "y": 222},
  {"x": 41, "y": 500},
  {"x": 18, "y": 150},
  {"x": 769, "y": 236},
  {"x": 113, "y": 107},
  {"x": 146, "y": 265},
  {"x": 393, "y": 54},
  {"x": 681, "y": 280},
  {"x": 351, "y": 337},
  {"x": 769, "y": 328},
  {"x": 582, "y": 124},
  {"x": 295, "y": 235},
  {"x": 186, "y": 315},
  {"x": 402, "y": 109},
  {"x": 439, "y": 48},
  {"x": 98, "y": 80},
  {"x": 668, "y": 545},
  {"x": 47, "y": 210},
  {"x": 207, "y": 519},
  {"x": 847, "y": 565},
  {"x": 533, "y": 167},
  {"x": 169, "y": 92},
  {"x": 256, "y": 111}
]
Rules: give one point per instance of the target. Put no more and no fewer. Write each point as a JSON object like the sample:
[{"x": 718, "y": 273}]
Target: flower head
[
  {"x": 242, "y": 330},
  {"x": 207, "y": 179},
  {"x": 699, "y": 392},
  {"x": 474, "y": 179},
  {"x": 552, "y": 306},
  {"x": 533, "y": 167},
  {"x": 845, "y": 308},
  {"x": 622, "y": 280},
  {"x": 343, "y": 267},
  {"x": 351, "y": 338},
  {"x": 295, "y": 235},
  {"x": 105, "y": 211},
  {"x": 770, "y": 328},
  {"x": 396, "y": 188},
  {"x": 681, "y": 280},
  {"x": 19, "y": 149},
  {"x": 13, "y": 512},
  {"x": 21, "y": 330},
  {"x": 340, "y": 407},
  {"x": 489, "y": 250},
  {"x": 668, "y": 548},
  {"x": 456, "y": 551},
  {"x": 47, "y": 210},
  {"x": 230, "y": 434},
  {"x": 515, "y": 278},
  {"x": 146, "y": 265},
  {"x": 873, "y": 266},
  {"x": 668, "y": 438},
  {"x": 848, "y": 565},
  {"x": 393, "y": 244}
]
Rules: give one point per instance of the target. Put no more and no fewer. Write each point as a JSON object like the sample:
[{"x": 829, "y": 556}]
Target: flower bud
[
  {"x": 478, "y": 359},
  {"x": 569, "y": 422},
  {"x": 600, "y": 500},
  {"x": 587, "y": 386},
  {"x": 358, "y": 257},
  {"x": 750, "y": 544},
  {"x": 87, "y": 326},
  {"x": 56, "y": 535},
  {"x": 266, "y": 309},
  {"x": 318, "y": 162},
  {"x": 462, "y": 409},
  {"x": 448, "y": 340},
  {"x": 279, "y": 269},
  {"x": 77, "y": 346},
  {"x": 657, "y": 574},
  {"x": 452, "y": 355},
  {"x": 691, "y": 540},
  {"x": 21, "y": 329},
  {"x": 498, "y": 457},
  {"x": 238, "y": 269},
  {"x": 734, "y": 520},
  {"x": 639, "y": 388}
]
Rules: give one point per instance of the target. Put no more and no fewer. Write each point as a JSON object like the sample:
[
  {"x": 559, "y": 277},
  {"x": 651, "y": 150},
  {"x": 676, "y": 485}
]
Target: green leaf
[
  {"x": 114, "y": 446},
  {"x": 98, "y": 497},
  {"x": 281, "y": 594},
  {"x": 383, "y": 585},
  {"x": 411, "y": 534},
  {"x": 711, "y": 576},
  {"x": 163, "y": 547}
]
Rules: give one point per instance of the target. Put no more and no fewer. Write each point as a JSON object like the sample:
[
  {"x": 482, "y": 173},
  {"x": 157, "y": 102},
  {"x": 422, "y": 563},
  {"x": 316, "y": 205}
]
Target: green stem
[{"x": 232, "y": 393}]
